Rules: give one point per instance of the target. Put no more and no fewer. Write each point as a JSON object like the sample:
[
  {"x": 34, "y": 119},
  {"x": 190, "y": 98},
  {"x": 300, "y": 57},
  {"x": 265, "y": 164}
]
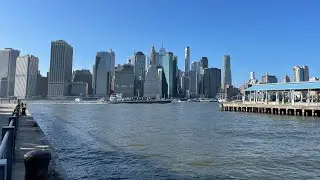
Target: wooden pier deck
[{"x": 298, "y": 109}]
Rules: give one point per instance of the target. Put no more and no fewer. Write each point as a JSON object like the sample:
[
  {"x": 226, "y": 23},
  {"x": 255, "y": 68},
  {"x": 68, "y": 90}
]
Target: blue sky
[{"x": 261, "y": 36}]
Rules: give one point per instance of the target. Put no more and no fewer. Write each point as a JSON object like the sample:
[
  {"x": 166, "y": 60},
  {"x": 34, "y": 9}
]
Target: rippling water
[{"x": 178, "y": 141}]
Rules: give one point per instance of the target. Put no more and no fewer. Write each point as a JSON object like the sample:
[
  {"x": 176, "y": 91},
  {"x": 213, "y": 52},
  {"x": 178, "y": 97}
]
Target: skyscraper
[
  {"x": 153, "y": 57},
  {"x": 139, "y": 63},
  {"x": 153, "y": 83},
  {"x": 26, "y": 77},
  {"x": 212, "y": 82},
  {"x": 300, "y": 73},
  {"x": 187, "y": 60},
  {"x": 203, "y": 64},
  {"x": 305, "y": 73},
  {"x": 60, "y": 72},
  {"x": 162, "y": 53},
  {"x": 226, "y": 72},
  {"x": 102, "y": 73},
  {"x": 170, "y": 71},
  {"x": 8, "y": 57}
]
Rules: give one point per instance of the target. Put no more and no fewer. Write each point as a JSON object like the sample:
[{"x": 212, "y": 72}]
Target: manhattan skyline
[{"x": 264, "y": 37}]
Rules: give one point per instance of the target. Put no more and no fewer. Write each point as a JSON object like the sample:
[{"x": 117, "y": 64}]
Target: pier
[
  {"x": 277, "y": 109},
  {"x": 298, "y": 99}
]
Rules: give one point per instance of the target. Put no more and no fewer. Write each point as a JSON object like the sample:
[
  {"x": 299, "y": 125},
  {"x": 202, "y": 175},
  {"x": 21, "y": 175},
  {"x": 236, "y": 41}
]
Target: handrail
[
  {"x": 7, "y": 146},
  {"x": 3, "y": 144}
]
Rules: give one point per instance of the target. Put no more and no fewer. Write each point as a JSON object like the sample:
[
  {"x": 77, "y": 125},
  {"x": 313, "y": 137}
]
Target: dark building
[
  {"x": 204, "y": 63},
  {"x": 83, "y": 76},
  {"x": 211, "y": 82},
  {"x": 42, "y": 86}
]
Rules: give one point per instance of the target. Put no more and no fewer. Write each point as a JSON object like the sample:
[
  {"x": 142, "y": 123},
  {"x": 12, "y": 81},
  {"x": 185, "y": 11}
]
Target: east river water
[{"x": 178, "y": 141}]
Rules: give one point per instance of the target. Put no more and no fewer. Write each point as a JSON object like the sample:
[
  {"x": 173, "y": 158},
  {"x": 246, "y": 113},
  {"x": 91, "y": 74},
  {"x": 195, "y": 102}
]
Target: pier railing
[{"x": 8, "y": 144}]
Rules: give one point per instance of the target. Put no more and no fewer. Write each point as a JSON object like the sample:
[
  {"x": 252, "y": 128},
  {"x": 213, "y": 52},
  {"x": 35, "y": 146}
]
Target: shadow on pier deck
[{"x": 283, "y": 109}]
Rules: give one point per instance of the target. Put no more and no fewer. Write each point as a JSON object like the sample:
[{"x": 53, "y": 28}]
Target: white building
[
  {"x": 103, "y": 72},
  {"x": 152, "y": 83},
  {"x": 8, "y": 57},
  {"x": 26, "y": 77},
  {"x": 60, "y": 72}
]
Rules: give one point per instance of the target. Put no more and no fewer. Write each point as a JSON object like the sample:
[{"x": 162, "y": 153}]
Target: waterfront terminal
[{"x": 298, "y": 98}]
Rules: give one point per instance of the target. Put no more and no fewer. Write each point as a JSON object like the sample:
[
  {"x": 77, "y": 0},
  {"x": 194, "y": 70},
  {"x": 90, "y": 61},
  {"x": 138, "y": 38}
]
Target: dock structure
[{"x": 299, "y": 98}]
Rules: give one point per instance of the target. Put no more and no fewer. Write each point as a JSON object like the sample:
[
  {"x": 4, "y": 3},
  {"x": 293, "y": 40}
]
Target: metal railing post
[
  {"x": 3, "y": 169},
  {"x": 9, "y": 149}
]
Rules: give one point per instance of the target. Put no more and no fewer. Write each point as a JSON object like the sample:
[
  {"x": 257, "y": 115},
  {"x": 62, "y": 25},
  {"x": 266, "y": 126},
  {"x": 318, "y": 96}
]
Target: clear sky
[{"x": 261, "y": 35}]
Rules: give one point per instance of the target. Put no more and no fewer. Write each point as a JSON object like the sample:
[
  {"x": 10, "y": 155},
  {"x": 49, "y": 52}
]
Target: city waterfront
[{"x": 178, "y": 141}]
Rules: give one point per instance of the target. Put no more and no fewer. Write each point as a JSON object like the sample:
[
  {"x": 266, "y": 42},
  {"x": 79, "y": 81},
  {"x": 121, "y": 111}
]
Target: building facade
[
  {"x": 85, "y": 76},
  {"x": 124, "y": 80},
  {"x": 211, "y": 82},
  {"x": 103, "y": 71},
  {"x": 269, "y": 79},
  {"x": 26, "y": 77},
  {"x": 79, "y": 89},
  {"x": 139, "y": 63},
  {"x": 153, "y": 83},
  {"x": 60, "y": 72},
  {"x": 226, "y": 72},
  {"x": 187, "y": 61},
  {"x": 300, "y": 73},
  {"x": 8, "y": 57},
  {"x": 42, "y": 86},
  {"x": 170, "y": 71}
]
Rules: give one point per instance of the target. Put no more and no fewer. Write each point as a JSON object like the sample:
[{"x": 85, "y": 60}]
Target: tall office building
[
  {"x": 8, "y": 57},
  {"x": 26, "y": 77},
  {"x": 203, "y": 64},
  {"x": 162, "y": 53},
  {"x": 170, "y": 71},
  {"x": 300, "y": 73},
  {"x": 102, "y": 73},
  {"x": 226, "y": 72},
  {"x": 84, "y": 76},
  {"x": 195, "y": 65},
  {"x": 194, "y": 81},
  {"x": 139, "y": 63},
  {"x": 187, "y": 61},
  {"x": 153, "y": 83},
  {"x": 153, "y": 57},
  {"x": 124, "y": 80},
  {"x": 60, "y": 72},
  {"x": 212, "y": 82}
]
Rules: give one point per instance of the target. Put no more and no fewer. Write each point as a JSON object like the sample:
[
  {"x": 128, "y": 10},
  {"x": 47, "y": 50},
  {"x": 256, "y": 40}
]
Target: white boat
[
  {"x": 115, "y": 98},
  {"x": 77, "y": 100}
]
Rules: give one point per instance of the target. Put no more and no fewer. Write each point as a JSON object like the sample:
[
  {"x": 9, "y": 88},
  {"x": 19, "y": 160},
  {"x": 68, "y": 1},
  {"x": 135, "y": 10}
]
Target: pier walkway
[
  {"x": 298, "y": 109},
  {"x": 29, "y": 137}
]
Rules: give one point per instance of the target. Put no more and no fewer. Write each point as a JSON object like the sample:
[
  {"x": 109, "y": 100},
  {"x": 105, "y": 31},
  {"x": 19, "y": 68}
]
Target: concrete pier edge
[{"x": 56, "y": 172}]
